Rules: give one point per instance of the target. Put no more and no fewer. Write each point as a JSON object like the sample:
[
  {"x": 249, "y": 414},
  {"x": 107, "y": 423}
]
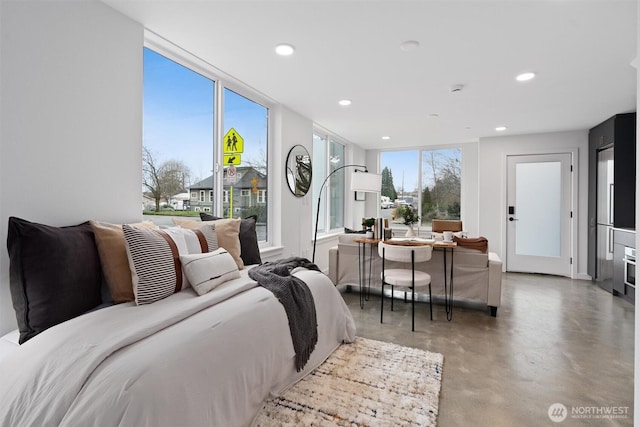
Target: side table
[{"x": 362, "y": 254}]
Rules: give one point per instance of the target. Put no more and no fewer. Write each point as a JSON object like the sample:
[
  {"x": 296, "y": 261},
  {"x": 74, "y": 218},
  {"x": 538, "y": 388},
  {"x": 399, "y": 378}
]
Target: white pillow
[{"x": 209, "y": 270}]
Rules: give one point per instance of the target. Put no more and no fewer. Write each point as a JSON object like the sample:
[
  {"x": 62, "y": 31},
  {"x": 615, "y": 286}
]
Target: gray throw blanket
[{"x": 296, "y": 298}]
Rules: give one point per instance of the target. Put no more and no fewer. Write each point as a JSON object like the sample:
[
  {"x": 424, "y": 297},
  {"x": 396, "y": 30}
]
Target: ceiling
[{"x": 581, "y": 52}]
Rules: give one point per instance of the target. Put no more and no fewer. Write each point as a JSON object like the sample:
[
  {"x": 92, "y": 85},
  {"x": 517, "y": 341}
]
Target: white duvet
[{"x": 186, "y": 360}]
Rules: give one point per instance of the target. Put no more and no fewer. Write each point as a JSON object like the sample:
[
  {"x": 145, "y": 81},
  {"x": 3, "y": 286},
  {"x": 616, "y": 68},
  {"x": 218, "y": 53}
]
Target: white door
[{"x": 539, "y": 214}]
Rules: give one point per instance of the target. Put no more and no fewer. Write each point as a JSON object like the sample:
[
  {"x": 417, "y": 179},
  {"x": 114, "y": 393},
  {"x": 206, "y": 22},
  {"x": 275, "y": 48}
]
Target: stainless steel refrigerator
[{"x": 604, "y": 219}]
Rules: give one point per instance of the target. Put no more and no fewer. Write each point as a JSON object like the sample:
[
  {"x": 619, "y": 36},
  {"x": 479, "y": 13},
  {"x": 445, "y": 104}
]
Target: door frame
[{"x": 574, "y": 199}]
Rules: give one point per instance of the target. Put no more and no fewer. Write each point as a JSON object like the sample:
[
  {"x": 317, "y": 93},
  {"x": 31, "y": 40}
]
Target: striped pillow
[{"x": 154, "y": 259}]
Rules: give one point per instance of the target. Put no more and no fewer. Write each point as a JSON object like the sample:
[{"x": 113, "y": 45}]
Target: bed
[{"x": 186, "y": 359}]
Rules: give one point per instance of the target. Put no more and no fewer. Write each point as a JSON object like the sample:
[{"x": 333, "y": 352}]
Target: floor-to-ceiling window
[
  {"x": 427, "y": 181},
  {"x": 197, "y": 159},
  {"x": 329, "y": 157}
]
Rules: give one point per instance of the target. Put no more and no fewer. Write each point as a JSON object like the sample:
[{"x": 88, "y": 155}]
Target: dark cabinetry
[
  {"x": 623, "y": 240},
  {"x": 618, "y": 132}
]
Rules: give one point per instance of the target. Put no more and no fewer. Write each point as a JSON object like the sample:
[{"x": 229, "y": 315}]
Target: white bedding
[{"x": 185, "y": 360}]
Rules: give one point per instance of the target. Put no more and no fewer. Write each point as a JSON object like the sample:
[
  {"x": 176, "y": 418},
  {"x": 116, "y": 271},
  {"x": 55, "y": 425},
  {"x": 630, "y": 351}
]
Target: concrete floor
[{"x": 555, "y": 340}]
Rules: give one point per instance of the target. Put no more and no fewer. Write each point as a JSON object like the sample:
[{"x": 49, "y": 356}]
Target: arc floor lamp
[{"x": 361, "y": 180}]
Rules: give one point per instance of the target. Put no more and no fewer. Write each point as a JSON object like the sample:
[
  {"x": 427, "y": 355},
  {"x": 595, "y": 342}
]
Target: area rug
[{"x": 365, "y": 383}]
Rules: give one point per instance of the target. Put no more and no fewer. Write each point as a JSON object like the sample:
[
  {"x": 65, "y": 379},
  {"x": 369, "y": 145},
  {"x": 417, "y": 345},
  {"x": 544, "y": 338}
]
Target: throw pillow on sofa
[{"x": 476, "y": 243}]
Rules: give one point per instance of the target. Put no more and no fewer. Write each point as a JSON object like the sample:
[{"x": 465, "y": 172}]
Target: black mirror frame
[{"x": 298, "y": 170}]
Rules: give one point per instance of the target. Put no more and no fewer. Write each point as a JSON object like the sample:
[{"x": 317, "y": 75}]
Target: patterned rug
[{"x": 365, "y": 383}]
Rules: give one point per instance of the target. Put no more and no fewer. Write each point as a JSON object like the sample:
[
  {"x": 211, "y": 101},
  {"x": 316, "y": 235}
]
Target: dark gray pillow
[
  {"x": 54, "y": 273},
  {"x": 249, "y": 249},
  {"x": 350, "y": 231}
]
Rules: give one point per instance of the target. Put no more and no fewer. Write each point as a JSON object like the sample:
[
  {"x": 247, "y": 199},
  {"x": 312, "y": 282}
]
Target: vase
[{"x": 410, "y": 232}]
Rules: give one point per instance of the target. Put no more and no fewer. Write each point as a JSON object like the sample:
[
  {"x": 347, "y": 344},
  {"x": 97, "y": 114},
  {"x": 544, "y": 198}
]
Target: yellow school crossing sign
[
  {"x": 231, "y": 159},
  {"x": 233, "y": 143}
]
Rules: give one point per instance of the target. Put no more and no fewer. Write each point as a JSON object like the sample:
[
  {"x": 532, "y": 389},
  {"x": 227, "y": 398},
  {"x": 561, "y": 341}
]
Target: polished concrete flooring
[{"x": 554, "y": 340}]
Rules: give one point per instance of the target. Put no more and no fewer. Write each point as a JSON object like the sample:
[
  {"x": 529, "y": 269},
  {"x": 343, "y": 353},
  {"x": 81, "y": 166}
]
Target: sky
[
  {"x": 404, "y": 167},
  {"x": 179, "y": 117}
]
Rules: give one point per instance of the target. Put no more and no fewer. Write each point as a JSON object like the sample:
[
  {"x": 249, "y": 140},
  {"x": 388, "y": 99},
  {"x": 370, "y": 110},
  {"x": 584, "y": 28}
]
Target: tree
[
  {"x": 443, "y": 169},
  {"x": 448, "y": 187},
  {"x": 388, "y": 188},
  {"x": 163, "y": 180},
  {"x": 427, "y": 204}
]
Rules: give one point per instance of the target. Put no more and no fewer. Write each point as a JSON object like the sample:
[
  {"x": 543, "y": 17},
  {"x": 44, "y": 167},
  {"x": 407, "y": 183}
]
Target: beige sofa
[{"x": 476, "y": 276}]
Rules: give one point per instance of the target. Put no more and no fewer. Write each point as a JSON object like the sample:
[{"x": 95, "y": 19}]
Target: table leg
[
  {"x": 368, "y": 293},
  {"x": 361, "y": 271},
  {"x": 448, "y": 296}
]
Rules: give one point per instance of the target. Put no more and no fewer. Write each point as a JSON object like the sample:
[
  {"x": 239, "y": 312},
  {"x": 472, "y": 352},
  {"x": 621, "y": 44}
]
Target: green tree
[
  {"x": 427, "y": 204},
  {"x": 388, "y": 188}
]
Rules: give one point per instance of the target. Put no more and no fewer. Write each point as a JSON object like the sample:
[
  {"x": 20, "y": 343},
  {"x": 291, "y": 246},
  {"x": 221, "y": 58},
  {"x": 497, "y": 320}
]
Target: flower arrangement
[{"x": 409, "y": 214}]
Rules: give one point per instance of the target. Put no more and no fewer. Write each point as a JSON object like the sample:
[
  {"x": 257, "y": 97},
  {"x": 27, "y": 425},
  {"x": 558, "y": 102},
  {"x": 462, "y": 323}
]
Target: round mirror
[{"x": 298, "y": 170}]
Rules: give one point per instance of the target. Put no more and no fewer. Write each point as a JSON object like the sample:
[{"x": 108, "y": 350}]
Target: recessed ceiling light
[
  {"x": 525, "y": 76},
  {"x": 285, "y": 49},
  {"x": 409, "y": 45},
  {"x": 344, "y": 102},
  {"x": 501, "y": 128},
  {"x": 386, "y": 137}
]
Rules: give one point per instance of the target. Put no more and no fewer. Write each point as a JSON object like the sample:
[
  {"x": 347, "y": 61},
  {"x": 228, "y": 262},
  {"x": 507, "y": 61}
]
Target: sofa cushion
[{"x": 348, "y": 239}]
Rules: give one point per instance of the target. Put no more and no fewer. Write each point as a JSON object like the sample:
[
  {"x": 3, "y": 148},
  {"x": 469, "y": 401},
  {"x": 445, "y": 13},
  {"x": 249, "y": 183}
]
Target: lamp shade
[{"x": 367, "y": 182}]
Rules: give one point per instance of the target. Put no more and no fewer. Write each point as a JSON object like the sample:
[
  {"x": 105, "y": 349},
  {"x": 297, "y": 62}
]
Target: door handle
[{"x": 512, "y": 218}]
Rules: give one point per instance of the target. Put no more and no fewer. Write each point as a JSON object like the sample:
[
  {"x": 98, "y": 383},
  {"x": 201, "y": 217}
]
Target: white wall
[
  {"x": 492, "y": 184},
  {"x": 469, "y": 190},
  {"x": 293, "y": 215},
  {"x": 71, "y": 84}
]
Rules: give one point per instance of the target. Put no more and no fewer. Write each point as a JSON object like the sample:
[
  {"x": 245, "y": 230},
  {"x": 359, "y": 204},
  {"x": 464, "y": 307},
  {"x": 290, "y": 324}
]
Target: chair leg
[
  {"x": 430, "y": 303},
  {"x": 382, "y": 302},
  {"x": 413, "y": 309},
  {"x": 391, "y": 297}
]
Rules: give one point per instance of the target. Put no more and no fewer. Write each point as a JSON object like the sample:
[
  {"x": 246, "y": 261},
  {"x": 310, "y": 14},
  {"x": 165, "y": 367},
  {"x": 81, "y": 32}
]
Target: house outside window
[
  {"x": 202, "y": 195},
  {"x": 262, "y": 196},
  {"x": 194, "y": 195}
]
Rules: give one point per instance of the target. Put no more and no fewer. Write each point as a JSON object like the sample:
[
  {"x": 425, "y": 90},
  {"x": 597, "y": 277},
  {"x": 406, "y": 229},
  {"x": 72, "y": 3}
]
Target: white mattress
[
  {"x": 8, "y": 343},
  {"x": 184, "y": 360}
]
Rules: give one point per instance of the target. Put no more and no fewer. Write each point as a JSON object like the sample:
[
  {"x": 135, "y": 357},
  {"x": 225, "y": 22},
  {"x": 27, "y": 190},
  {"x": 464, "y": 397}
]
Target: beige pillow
[
  {"x": 113, "y": 257},
  {"x": 208, "y": 271},
  {"x": 227, "y": 231}
]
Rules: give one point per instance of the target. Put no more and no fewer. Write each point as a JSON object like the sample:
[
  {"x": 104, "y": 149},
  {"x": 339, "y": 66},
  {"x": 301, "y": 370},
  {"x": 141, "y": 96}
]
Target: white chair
[{"x": 405, "y": 278}]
